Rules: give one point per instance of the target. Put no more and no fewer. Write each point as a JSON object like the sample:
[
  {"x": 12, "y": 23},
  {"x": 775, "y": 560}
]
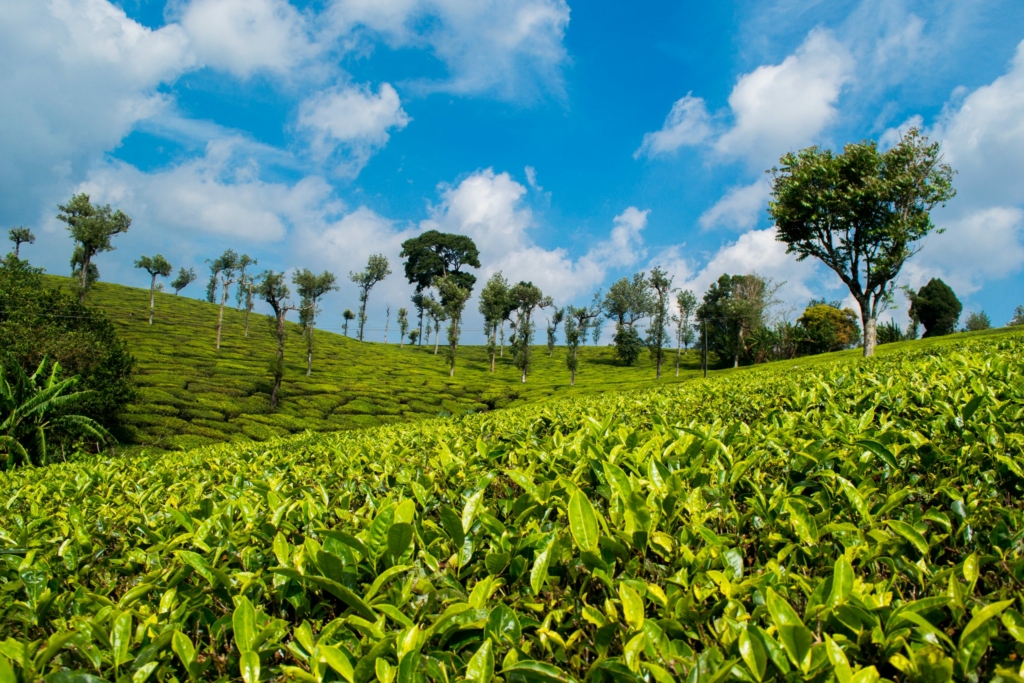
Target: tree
[
  {"x": 557, "y": 316},
  {"x": 453, "y": 298},
  {"x": 183, "y": 280},
  {"x": 387, "y": 323},
  {"x": 627, "y": 302},
  {"x": 577, "y": 323},
  {"x": 750, "y": 301},
  {"x": 37, "y": 410},
  {"x": 937, "y": 307},
  {"x": 1018, "y": 317},
  {"x": 274, "y": 291},
  {"x": 417, "y": 303},
  {"x": 225, "y": 270},
  {"x": 348, "y": 316},
  {"x": 377, "y": 268},
  {"x": 403, "y": 326},
  {"x": 686, "y": 302},
  {"x": 243, "y": 292},
  {"x": 495, "y": 306},
  {"x": 439, "y": 254},
  {"x": 38, "y": 322},
  {"x": 826, "y": 327},
  {"x": 862, "y": 213},
  {"x": 414, "y": 335},
  {"x": 311, "y": 287},
  {"x": 20, "y": 236},
  {"x": 890, "y": 332},
  {"x": 657, "y": 334},
  {"x": 91, "y": 227},
  {"x": 527, "y": 298},
  {"x": 157, "y": 266},
  {"x": 977, "y": 322},
  {"x": 436, "y": 314}
]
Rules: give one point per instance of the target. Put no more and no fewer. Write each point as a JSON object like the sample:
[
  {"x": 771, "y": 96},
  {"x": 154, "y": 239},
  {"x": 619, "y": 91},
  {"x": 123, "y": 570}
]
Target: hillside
[{"x": 842, "y": 522}]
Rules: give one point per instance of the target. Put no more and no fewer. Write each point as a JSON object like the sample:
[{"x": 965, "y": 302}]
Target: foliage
[
  {"x": 453, "y": 300},
  {"x": 274, "y": 291},
  {"x": 311, "y": 288},
  {"x": 183, "y": 279},
  {"x": 862, "y": 213},
  {"x": 1018, "y": 317},
  {"x": 890, "y": 332},
  {"x": 348, "y": 316},
  {"x": 436, "y": 254},
  {"x": 20, "y": 236},
  {"x": 578, "y": 321},
  {"x": 526, "y": 298},
  {"x": 91, "y": 227},
  {"x": 936, "y": 307},
  {"x": 660, "y": 284},
  {"x": 37, "y": 322},
  {"x": 495, "y": 306},
  {"x": 156, "y": 266},
  {"x": 377, "y": 268},
  {"x": 403, "y": 325},
  {"x": 978, "y": 321},
  {"x": 628, "y": 345},
  {"x": 557, "y": 316},
  {"x": 37, "y": 413},
  {"x": 828, "y": 328},
  {"x": 772, "y": 526}
]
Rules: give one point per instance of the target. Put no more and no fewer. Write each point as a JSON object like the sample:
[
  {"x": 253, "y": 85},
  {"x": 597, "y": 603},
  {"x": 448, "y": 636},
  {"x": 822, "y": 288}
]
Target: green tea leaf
[
  {"x": 244, "y": 622},
  {"x": 249, "y": 664},
  {"x": 910, "y": 534},
  {"x": 753, "y": 654},
  {"x": 539, "y": 572},
  {"x": 481, "y": 666},
  {"x": 632, "y": 607},
  {"x": 796, "y": 638},
  {"x": 583, "y": 521}
]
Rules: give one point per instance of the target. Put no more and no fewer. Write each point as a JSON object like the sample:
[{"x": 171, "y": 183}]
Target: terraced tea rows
[{"x": 848, "y": 522}]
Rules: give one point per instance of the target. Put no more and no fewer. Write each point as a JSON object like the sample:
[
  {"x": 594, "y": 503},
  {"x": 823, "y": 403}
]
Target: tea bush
[{"x": 845, "y": 521}]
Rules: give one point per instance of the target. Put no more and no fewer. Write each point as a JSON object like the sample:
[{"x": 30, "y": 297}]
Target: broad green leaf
[
  {"x": 249, "y": 663},
  {"x": 1014, "y": 623},
  {"x": 618, "y": 480},
  {"x": 399, "y": 538},
  {"x": 539, "y": 572},
  {"x": 244, "y": 622},
  {"x": 452, "y": 525},
  {"x": 121, "y": 638},
  {"x": 803, "y": 522},
  {"x": 182, "y": 646},
  {"x": 753, "y": 654},
  {"x": 868, "y": 675},
  {"x": 472, "y": 509},
  {"x": 910, "y": 534},
  {"x": 856, "y": 499},
  {"x": 632, "y": 607},
  {"x": 840, "y": 664},
  {"x": 538, "y": 671},
  {"x": 337, "y": 660},
  {"x": 583, "y": 521},
  {"x": 481, "y": 666},
  {"x": 385, "y": 672},
  {"x": 405, "y": 512},
  {"x": 383, "y": 578},
  {"x": 972, "y": 569},
  {"x": 842, "y": 582},
  {"x": 7, "y": 671},
  {"x": 503, "y": 626},
  {"x": 143, "y": 672},
  {"x": 796, "y": 638},
  {"x": 982, "y": 616},
  {"x": 881, "y": 451}
]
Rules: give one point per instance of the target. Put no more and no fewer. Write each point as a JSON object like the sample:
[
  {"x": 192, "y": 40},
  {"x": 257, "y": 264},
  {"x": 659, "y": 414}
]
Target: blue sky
[{"x": 576, "y": 143}]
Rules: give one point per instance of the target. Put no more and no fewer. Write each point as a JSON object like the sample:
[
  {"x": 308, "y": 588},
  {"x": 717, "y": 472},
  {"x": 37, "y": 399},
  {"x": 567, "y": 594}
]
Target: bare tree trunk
[
  {"x": 437, "y": 332},
  {"x": 502, "y": 354},
  {"x": 85, "y": 275},
  {"x": 658, "y": 371},
  {"x": 220, "y": 320},
  {"x": 524, "y": 375},
  {"x": 309, "y": 344},
  {"x": 870, "y": 331},
  {"x": 248, "y": 308},
  {"x": 152, "y": 289},
  {"x": 679, "y": 358},
  {"x": 387, "y": 324},
  {"x": 279, "y": 370}
]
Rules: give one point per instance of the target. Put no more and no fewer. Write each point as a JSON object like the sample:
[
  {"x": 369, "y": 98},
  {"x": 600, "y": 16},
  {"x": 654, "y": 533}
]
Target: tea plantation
[
  {"x": 193, "y": 395},
  {"x": 848, "y": 521}
]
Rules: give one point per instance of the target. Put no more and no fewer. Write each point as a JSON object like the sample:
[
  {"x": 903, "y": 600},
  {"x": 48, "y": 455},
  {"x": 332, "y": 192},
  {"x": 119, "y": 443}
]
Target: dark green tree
[
  {"x": 439, "y": 254},
  {"x": 660, "y": 283},
  {"x": 311, "y": 288},
  {"x": 527, "y": 298},
  {"x": 453, "y": 297},
  {"x": 686, "y": 302},
  {"x": 978, "y": 321},
  {"x": 348, "y": 316},
  {"x": 494, "y": 307},
  {"x": 91, "y": 227},
  {"x": 627, "y": 302},
  {"x": 20, "y": 236},
  {"x": 183, "y": 280},
  {"x": 862, "y": 213},
  {"x": 435, "y": 315},
  {"x": 156, "y": 266},
  {"x": 826, "y": 327},
  {"x": 557, "y": 316},
  {"x": 937, "y": 307},
  {"x": 377, "y": 268},
  {"x": 1018, "y": 317}
]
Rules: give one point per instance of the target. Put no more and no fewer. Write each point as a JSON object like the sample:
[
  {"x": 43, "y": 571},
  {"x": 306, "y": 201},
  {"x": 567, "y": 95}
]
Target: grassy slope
[{"x": 192, "y": 395}]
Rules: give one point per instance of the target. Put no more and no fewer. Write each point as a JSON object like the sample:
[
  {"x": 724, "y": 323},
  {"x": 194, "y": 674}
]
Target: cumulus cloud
[
  {"x": 77, "y": 77},
  {"x": 350, "y": 122},
  {"x": 247, "y": 36},
  {"x": 773, "y": 109},
  {"x": 739, "y": 208},
  {"x": 512, "y": 48}
]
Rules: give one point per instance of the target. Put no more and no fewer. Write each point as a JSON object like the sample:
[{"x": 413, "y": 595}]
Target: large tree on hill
[
  {"x": 311, "y": 287},
  {"x": 862, "y": 213},
  {"x": 733, "y": 310},
  {"x": 156, "y": 266},
  {"x": 91, "y": 227},
  {"x": 223, "y": 269},
  {"x": 627, "y": 302},
  {"x": 827, "y": 327},
  {"x": 937, "y": 307},
  {"x": 439, "y": 254},
  {"x": 183, "y": 279},
  {"x": 494, "y": 306},
  {"x": 272, "y": 289},
  {"x": 20, "y": 236},
  {"x": 578, "y": 321},
  {"x": 660, "y": 284},
  {"x": 453, "y": 300},
  {"x": 686, "y": 302},
  {"x": 377, "y": 268},
  {"x": 527, "y": 298}
]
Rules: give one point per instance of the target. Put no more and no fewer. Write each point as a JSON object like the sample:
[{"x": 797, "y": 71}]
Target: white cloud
[
  {"x": 512, "y": 48},
  {"x": 688, "y": 123},
  {"x": 351, "y": 121},
  {"x": 77, "y": 77},
  {"x": 247, "y": 36},
  {"x": 531, "y": 178},
  {"x": 774, "y": 109},
  {"x": 739, "y": 208}
]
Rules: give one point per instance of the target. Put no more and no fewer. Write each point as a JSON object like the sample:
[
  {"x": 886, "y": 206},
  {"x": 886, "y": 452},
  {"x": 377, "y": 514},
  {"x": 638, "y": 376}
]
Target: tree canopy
[
  {"x": 437, "y": 254},
  {"x": 91, "y": 227},
  {"x": 862, "y": 212},
  {"x": 937, "y": 307}
]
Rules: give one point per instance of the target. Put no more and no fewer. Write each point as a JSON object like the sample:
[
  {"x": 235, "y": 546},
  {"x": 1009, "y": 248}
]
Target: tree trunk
[
  {"x": 85, "y": 275},
  {"x": 362, "y": 316},
  {"x": 572, "y": 371},
  {"x": 279, "y": 370},
  {"x": 870, "y": 336},
  {"x": 387, "y": 324},
  {"x": 502, "y": 353},
  {"x": 220, "y": 320},
  {"x": 437, "y": 332},
  {"x": 657, "y": 374},
  {"x": 524, "y": 375},
  {"x": 679, "y": 358},
  {"x": 152, "y": 290}
]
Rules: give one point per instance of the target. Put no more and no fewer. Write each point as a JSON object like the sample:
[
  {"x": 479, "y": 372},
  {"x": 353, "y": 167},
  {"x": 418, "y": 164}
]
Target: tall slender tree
[
  {"x": 578, "y": 321},
  {"x": 91, "y": 227},
  {"x": 494, "y": 307},
  {"x": 417, "y": 303},
  {"x": 527, "y": 298},
  {"x": 657, "y": 335},
  {"x": 183, "y": 279},
  {"x": 387, "y": 323},
  {"x": 348, "y": 316},
  {"x": 436, "y": 314},
  {"x": 377, "y": 268},
  {"x": 862, "y": 213},
  {"x": 403, "y": 326},
  {"x": 311, "y": 288},
  {"x": 686, "y": 302},
  {"x": 20, "y": 236},
  {"x": 557, "y": 316},
  {"x": 223, "y": 269},
  {"x": 156, "y": 266},
  {"x": 243, "y": 292},
  {"x": 274, "y": 291},
  {"x": 454, "y": 297}
]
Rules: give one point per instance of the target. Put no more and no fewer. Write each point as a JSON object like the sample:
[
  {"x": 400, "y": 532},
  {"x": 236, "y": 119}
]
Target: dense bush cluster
[{"x": 848, "y": 522}]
